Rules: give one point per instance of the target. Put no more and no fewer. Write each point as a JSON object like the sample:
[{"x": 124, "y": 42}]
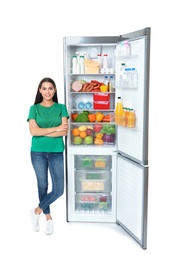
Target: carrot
[{"x": 107, "y": 118}]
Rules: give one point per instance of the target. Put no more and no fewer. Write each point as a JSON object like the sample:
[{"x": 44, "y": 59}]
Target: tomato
[{"x": 73, "y": 116}]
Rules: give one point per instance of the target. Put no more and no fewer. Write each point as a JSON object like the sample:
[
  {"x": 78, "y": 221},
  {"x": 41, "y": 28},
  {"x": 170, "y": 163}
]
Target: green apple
[
  {"x": 88, "y": 140},
  {"x": 77, "y": 140}
]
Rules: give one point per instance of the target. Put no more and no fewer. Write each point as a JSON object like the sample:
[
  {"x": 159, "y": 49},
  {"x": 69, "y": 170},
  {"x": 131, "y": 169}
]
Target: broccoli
[{"x": 82, "y": 117}]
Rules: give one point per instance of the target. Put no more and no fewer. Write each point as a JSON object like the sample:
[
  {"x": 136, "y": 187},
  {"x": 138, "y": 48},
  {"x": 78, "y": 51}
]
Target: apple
[
  {"x": 89, "y": 131},
  {"x": 88, "y": 140},
  {"x": 97, "y": 128},
  {"x": 77, "y": 140}
]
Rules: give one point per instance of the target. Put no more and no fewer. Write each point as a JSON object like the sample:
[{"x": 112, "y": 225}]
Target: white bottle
[
  {"x": 74, "y": 64},
  {"x": 82, "y": 68},
  {"x": 105, "y": 61},
  {"x": 78, "y": 63},
  {"x": 99, "y": 59}
]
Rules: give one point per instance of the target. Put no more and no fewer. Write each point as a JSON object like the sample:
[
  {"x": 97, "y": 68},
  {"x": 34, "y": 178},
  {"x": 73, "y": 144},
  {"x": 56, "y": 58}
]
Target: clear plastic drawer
[
  {"x": 93, "y": 202},
  {"x": 93, "y": 181},
  {"x": 92, "y": 162}
]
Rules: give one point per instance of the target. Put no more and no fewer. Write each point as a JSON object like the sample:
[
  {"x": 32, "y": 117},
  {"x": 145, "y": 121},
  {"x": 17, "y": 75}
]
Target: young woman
[{"x": 48, "y": 124}]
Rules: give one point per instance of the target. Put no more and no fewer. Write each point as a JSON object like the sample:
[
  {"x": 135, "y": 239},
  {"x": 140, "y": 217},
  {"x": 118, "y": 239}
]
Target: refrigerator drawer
[
  {"x": 93, "y": 202},
  {"x": 93, "y": 181},
  {"x": 93, "y": 162},
  {"x": 96, "y": 134}
]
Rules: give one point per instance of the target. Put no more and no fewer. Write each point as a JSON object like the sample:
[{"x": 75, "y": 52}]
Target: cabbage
[{"x": 108, "y": 138}]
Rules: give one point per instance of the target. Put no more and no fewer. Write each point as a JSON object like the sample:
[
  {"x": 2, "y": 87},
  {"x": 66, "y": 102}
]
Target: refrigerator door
[
  {"x": 133, "y": 141},
  {"x": 132, "y": 190}
]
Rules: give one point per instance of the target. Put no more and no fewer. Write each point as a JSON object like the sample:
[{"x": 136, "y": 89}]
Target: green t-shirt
[{"x": 47, "y": 117}]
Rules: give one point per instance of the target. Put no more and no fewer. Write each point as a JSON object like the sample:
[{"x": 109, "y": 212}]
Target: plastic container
[
  {"x": 101, "y": 105},
  {"x": 101, "y": 97}
]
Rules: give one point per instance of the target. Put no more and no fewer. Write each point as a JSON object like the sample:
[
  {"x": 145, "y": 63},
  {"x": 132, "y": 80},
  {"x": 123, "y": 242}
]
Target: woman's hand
[{"x": 62, "y": 127}]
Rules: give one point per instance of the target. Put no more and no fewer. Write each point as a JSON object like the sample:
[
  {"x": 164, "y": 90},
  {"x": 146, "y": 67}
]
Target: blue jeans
[{"x": 54, "y": 163}]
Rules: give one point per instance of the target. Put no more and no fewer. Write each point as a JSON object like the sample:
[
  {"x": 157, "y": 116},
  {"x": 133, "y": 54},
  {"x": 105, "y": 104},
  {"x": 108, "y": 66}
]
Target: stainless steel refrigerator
[{"x": 107, "y": 180}]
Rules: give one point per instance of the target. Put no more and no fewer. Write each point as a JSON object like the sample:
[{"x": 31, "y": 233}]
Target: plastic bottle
[
  {"x": 126, "y": 50},
  {"x": 106, "y": 81},
  {"x": 82, "y": 68},
  {"x": 119, "y": 112},
  {"x": 129, "y": 77},
  {"x": 74, "y": 64},
  {"x": 131, "y": 118},
  {"x": 123, "y": 77},
  {"x": 78, "y": 63},
  {"x": 134, "y": 78},
  {"x": 126, "y": 109},
  {"x": 121, "y": 74},
  {"x": 99, "y": 59},
  {"x": 111, "y": 84},
  {"x": 105, "y": 61}
]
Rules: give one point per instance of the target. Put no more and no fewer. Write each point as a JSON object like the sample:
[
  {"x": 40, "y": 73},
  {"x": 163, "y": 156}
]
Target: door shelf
[{"x": 124, "y": 122}]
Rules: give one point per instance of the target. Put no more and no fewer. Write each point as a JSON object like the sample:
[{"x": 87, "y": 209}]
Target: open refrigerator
[{"x": 107, "y": 162}]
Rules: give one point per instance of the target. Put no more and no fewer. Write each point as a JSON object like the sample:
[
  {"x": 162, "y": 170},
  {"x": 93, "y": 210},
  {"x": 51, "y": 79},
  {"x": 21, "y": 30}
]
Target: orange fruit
[
  {"x": 83, "y": 134},
  {"x": 75, "y": 131}
]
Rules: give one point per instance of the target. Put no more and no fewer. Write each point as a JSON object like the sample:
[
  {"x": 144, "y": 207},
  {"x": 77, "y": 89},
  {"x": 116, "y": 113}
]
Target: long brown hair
[{"x": 38, "y": 97}]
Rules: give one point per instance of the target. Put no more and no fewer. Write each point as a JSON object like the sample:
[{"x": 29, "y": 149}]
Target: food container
[
  {"x": 91, "y": 70},
  {"x": 101, "y": 104},
  {"x": 101, "y": 97},
  {"x": 91, "y": 67}
]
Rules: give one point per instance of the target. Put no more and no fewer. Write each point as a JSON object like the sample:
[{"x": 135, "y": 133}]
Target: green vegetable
[
  {"x": 82, "y": 117},
  {"x": 108, "y": 129}
]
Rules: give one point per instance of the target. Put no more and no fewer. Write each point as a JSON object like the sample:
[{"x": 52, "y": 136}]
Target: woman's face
[{"x": 47, "y": 91}]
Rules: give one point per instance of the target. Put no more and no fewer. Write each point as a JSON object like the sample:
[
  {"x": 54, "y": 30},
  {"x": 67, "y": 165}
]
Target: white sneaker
[
  {"x": 35, "y": 220},
  {"x": 49, "y": 227}
]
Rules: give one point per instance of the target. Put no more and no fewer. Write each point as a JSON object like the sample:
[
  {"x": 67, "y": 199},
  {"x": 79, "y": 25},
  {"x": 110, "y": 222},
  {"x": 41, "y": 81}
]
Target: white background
[{"x": 31, "y": 47}]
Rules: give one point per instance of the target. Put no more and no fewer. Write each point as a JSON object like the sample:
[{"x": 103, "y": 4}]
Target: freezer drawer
[
  {"x": 92, "y": 181},
  {"x": 93, "y": 203},
  {"x": 85, "y": 162}
]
